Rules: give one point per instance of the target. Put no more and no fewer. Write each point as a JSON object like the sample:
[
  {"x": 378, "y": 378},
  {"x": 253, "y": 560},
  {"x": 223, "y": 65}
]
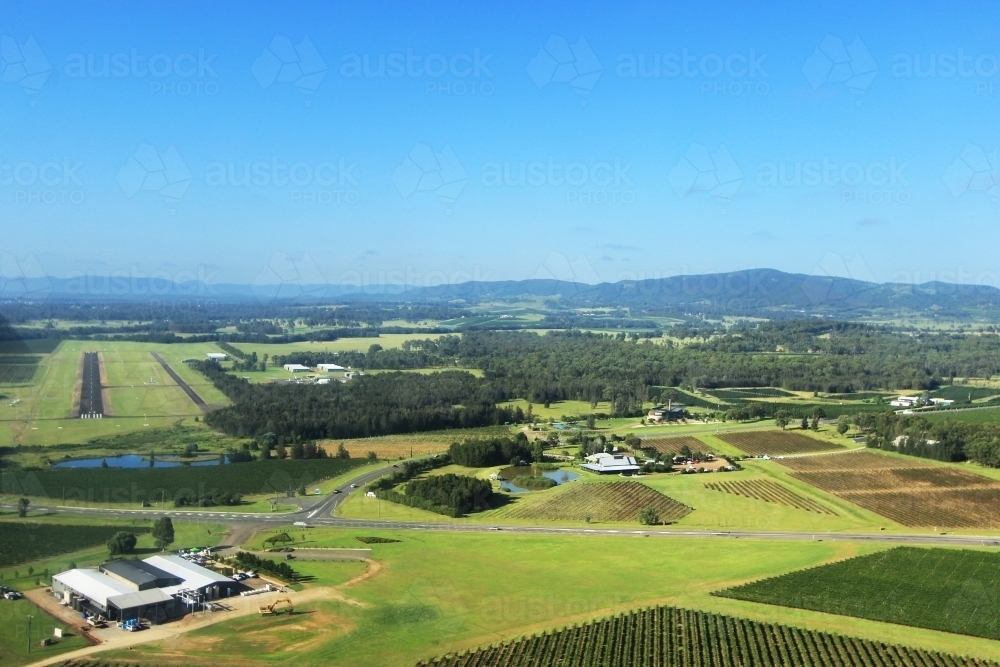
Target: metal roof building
[
  {"x": 605, "y": 464},
  {"x": 158, "y": 588}
]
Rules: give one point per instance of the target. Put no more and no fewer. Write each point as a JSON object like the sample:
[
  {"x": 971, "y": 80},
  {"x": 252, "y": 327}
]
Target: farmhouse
[
  {"x": 297, "y": 368},
  {"x": 669, "y": 412},
  {"x": 906, "y": 402},
  {"x": 217, "y": 356},
  {"x": 329, "y": 367},
  {"x": 607, "y": 464},
  {"x": 157, "y": 588}
]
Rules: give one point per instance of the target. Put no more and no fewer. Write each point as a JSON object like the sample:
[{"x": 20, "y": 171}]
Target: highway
[{"x": 320, "y": 514}]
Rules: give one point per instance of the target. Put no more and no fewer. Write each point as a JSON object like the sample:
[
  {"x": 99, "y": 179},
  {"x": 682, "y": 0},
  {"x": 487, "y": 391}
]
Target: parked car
[{"x": 13, "y": 595}]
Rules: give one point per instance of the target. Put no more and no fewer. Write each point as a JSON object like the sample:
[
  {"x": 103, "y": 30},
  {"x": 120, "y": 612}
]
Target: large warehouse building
[{"x": 157, "y": 588}]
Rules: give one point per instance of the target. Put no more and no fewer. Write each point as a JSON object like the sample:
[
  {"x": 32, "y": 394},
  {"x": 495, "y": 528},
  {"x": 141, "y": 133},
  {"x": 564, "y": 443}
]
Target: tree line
[
  {"x": 946, "y": 440},
  {"x": 371, "y": 405}
]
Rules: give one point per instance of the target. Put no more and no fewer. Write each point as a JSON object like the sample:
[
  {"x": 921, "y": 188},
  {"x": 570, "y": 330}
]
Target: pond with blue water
[
  {"x": 138, "y": 461},
  {"x": 508, "y": 475}
]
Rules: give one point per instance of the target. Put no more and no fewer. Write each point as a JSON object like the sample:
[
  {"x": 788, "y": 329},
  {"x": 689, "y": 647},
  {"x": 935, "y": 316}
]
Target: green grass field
[
  {"x": 14, "y": 637},
  {"x": 437, "y": 593},
  {"x": 558, "y": 409},
  {"x": 952, "y": 590}
]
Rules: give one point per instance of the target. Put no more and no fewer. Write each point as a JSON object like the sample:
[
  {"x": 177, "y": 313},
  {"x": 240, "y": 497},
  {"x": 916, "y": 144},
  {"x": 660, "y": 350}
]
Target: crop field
[
  {"x": 911, "y": 493},
  {"x": 769, "y": 492},
  {"x": 404, "y": 445},
  {"x": 672, "y": 446},
  {"x": 962, "y": 394},
  {"x": 952, "y": 590},
  {"x": 24, "y": 542},
  {"x": 749, "y": 393},
  {"x": 974, "y": 416},
  {"x": 671, "y": 637},
  {"x": 123, "y": 485},
  {"x": 19, "y": 373},
  {"x": 29, "y": 346},
  {"x": 598, "y": 501},
  {"x": 776, "y": 443},
  {"x": 856, "y": 396}
]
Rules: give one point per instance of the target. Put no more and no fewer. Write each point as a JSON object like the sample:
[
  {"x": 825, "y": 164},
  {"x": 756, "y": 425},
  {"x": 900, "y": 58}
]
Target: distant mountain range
[{"x": 748, "y": 291}]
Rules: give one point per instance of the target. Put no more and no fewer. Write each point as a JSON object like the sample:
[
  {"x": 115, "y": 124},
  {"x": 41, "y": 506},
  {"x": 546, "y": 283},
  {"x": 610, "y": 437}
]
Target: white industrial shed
[
  {"x": 329, "y": 367},
  {"x": 297, "y": 368},
  {"x": 158, "y": 588},
  {"x": 217, "y": 356}
]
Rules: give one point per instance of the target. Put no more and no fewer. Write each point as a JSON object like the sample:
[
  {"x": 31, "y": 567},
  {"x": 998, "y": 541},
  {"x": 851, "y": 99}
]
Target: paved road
[{"x": 320, "y": 514}]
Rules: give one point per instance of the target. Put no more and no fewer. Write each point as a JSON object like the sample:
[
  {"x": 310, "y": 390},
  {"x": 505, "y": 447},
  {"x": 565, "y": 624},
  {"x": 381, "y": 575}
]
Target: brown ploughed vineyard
[
  {"x": 769, "y": 492},
  {"x": 776, "y": 443},
  {"x": 910, "y": 492},
  {"x": 672, "y": 446}
]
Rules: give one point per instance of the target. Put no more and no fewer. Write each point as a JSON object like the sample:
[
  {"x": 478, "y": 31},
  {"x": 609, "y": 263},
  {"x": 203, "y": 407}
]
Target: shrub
[
  {"x": 649, "y": 517},
  {"x": 123, "y": 542}
]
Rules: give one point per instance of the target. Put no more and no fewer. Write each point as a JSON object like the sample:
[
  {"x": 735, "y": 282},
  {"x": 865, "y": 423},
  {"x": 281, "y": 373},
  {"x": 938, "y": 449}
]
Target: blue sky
[{"x": 861, "y": 141}]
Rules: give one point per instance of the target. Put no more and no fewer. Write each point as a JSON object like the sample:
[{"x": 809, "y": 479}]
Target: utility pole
[{"x": 29, "y": 634}]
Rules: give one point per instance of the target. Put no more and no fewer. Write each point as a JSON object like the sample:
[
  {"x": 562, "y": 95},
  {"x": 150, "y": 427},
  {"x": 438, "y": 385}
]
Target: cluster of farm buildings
[
  {"x": 343, "y": 374},
  {"x": 158, "y": 588}
]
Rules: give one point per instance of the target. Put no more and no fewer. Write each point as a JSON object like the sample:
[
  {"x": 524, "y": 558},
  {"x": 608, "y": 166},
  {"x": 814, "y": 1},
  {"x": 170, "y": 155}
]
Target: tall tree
[{"x": 163, "y": 532}]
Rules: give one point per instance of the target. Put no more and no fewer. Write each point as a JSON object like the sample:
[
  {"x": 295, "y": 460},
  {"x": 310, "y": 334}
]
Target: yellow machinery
[{"x": 269, "y": 610}]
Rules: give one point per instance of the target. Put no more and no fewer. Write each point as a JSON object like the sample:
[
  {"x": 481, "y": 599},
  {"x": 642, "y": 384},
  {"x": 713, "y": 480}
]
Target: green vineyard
[
  {"x": 603, "y": 501},
  {"x": 17, "y": 373},
  {"x": 671, "y": 637},
  {"x": 952, "y": 590}
]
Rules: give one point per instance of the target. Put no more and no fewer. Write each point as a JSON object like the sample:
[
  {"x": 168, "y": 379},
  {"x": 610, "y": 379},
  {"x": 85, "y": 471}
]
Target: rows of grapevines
[
  {"x": 769, "y": 492},
  {"x": 671, "y": 637}
]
